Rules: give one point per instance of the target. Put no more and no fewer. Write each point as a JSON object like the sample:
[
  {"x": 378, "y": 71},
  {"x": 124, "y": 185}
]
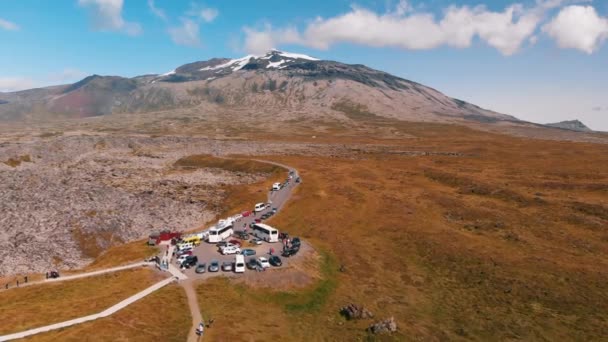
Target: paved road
[{"x": 111, "y": 310}]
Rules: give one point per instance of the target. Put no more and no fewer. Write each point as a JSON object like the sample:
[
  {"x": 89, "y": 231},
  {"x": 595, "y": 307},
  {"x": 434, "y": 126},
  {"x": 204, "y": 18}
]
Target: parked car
[
  {"x": 248, "y": 252},
  {"x": 53, "y": 274},
  {"x": 276, "y": 186},
  {"x": 275, "y": 261},
  {"x": 262, "y": 262},
  {"x": 290, "y": 252},
  {"x": 298, "y": 180},
  {"x": 231, "y": 250},
  {"x": 256, "y": 241},
  {"x": 274, "y": 210},
  {"x": 241, "y": 235},
  {"x": 252, "y": 264},
  {"x": 227, "y": 266},
  {"x": 239, "y": 264},
  {"x": 295, "y": 242},
  {"x": 181, "y": 259},
  {"x": 256, "y": 221},
  {"x": 235, "y": 242},
  {"x": 283, "y": 235},
  {"x": 190, "y": 261},
  {"x": 221, "y": 244},
  {"x": 265, "y": 216},
  {"x": 201, "y": 268},
  {"x": 259, "y": 207},
  {"x": 183, "y": 252},
  {"x": 214, "y": 266}
]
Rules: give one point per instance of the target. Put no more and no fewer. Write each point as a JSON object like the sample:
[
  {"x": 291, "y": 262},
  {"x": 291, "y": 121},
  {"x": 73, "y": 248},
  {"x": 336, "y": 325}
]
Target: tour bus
[
  {"x": 220, "y": 232},
  {"x": 239, "y": 263},
  {"x": 265, "y": 232}
]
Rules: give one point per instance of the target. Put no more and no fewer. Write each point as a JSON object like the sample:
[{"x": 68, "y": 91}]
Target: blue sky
[{"x": 540, "y": 60}]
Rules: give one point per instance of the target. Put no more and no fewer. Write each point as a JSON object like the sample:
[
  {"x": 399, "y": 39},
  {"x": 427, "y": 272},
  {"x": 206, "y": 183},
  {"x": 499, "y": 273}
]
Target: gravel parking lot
[{"x": 206, "y": 252}]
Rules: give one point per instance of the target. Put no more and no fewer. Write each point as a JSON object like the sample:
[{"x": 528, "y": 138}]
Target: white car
[
  {"x": 259, "y": 207},
  {"x": 276, "y": 186},
  {"x": 231, "y": 250},
  {"x": 263, "y": 262},
  {"x": 181, "y": 259}
]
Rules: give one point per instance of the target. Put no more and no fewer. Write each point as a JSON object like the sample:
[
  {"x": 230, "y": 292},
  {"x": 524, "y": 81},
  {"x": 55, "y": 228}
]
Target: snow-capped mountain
[{"x": 290, "y": 84}]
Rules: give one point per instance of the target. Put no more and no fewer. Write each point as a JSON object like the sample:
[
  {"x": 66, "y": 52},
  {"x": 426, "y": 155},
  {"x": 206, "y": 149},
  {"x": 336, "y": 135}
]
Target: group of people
[{"x": 6, "y": 286}]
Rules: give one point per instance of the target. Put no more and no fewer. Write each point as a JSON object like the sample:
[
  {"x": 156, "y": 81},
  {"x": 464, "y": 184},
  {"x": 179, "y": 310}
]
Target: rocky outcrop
[
  {"x": 385, "y": 326},
  {"x": 354, "y": 311},
  {"x": 572, "y": 125}
]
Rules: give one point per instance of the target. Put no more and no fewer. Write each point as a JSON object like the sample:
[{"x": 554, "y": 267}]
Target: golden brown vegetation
[
  {"x": 502, "y": 238},
  {"x": 16, "y": 161},
  {"x": 161, "y": 316},
  {"x": 43, "y": 304}
]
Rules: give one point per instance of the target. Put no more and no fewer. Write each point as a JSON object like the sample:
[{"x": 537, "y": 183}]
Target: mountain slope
[
  {"x": 293, "y": 85},
  {"x": 571, "y": 125}
]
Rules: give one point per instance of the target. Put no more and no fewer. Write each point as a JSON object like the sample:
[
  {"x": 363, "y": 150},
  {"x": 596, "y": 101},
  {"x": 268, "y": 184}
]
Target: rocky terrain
[{"x": 66, "y": 199}]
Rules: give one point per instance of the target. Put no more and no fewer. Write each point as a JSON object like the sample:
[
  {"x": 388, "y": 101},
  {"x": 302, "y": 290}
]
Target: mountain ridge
[{"x": 277, "y": 81}]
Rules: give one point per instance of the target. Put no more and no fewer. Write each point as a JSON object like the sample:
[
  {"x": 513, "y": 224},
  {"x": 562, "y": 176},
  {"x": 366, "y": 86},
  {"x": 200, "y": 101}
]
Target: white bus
[
  {"x": 219, "y": 233},
  {"x": 265, "y": 232}
]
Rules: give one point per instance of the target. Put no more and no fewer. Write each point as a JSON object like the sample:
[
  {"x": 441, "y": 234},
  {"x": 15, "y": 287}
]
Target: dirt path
[{"x": 195, "y": 311}]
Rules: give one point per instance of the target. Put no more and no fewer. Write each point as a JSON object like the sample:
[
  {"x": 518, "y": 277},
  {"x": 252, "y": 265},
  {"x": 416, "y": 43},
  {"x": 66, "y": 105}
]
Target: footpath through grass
[
  {"x": 44, "y": 304},
  {"x": 161, "y": 316}
]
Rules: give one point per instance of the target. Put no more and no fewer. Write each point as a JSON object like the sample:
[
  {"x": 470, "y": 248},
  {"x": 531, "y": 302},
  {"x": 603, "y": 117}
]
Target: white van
[
  {"x": 259, "y": 207},
  {"x": 239, "y": 264},
  {"x": 276, "y": 186},
  {"x": 184, "y": 245}
]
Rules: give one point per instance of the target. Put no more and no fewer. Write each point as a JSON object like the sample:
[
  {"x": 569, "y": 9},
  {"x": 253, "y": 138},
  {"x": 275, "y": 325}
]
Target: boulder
[
  {"x": 354, "y": 311},
  {"x": 385, "y": 326}
]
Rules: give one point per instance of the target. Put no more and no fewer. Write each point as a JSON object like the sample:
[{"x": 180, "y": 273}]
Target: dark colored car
[
  {"x": 252, "y": 264},
  {"x": 265, "y": 216},
  {"x": 275, "y": 261},
  {"x": 227, "y": 266},
  {"x": 241, "y": 235},
  {"x": 201, "y": 268},
  {"x": 290, "y": 252},
  {"x": 248, "y": 252},
  {"x": 221, "y": 244},
  {"x": 190, "y": 261},
  {"x": 283, "y": 235},
  {"x": 214, "y": 266},
  {"x": 53, "y": 274},
  {"x": 295, "y": 242},
  {"x": 298, "y": 180}
]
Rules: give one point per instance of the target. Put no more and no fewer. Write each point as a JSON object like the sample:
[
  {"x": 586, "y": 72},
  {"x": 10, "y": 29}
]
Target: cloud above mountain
[
  {"x": 407, "y": 28},
  {"x": 578, "y": 27},
  {"x": 106, "y": 15}
]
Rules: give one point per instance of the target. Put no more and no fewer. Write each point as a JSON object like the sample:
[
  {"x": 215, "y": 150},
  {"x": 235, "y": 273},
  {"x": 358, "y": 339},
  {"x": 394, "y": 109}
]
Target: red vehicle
[
  {"x": 164, "y": 235},
  {"x": 258, "y": 220},
  {"x": 246, "y": 213},
  {"x": 235, "y": 242}
]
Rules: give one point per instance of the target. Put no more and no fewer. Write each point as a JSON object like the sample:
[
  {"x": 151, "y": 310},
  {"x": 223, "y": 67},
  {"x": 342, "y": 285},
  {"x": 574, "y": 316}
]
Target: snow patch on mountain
[{"x": 275, "y": 64}]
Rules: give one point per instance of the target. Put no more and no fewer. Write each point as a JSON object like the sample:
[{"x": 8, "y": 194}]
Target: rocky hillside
[
  {"x": 295, "y": 85},
  {"x": 571, "y": 125}
]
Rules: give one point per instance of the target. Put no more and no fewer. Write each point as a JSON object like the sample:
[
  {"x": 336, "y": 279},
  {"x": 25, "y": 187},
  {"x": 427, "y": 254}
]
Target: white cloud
[
  {"x": 405, "y": 27},
  {"x": 578, "y": 27},
  {"x": 107, "y": 16},
  {"x": 8, "y": 25},
  {"x": 157, "y": 11},
  {"x": 8, "y": 84},
  {"x": 207, "y": 14},
  {"x": 187, "y": 34}
]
